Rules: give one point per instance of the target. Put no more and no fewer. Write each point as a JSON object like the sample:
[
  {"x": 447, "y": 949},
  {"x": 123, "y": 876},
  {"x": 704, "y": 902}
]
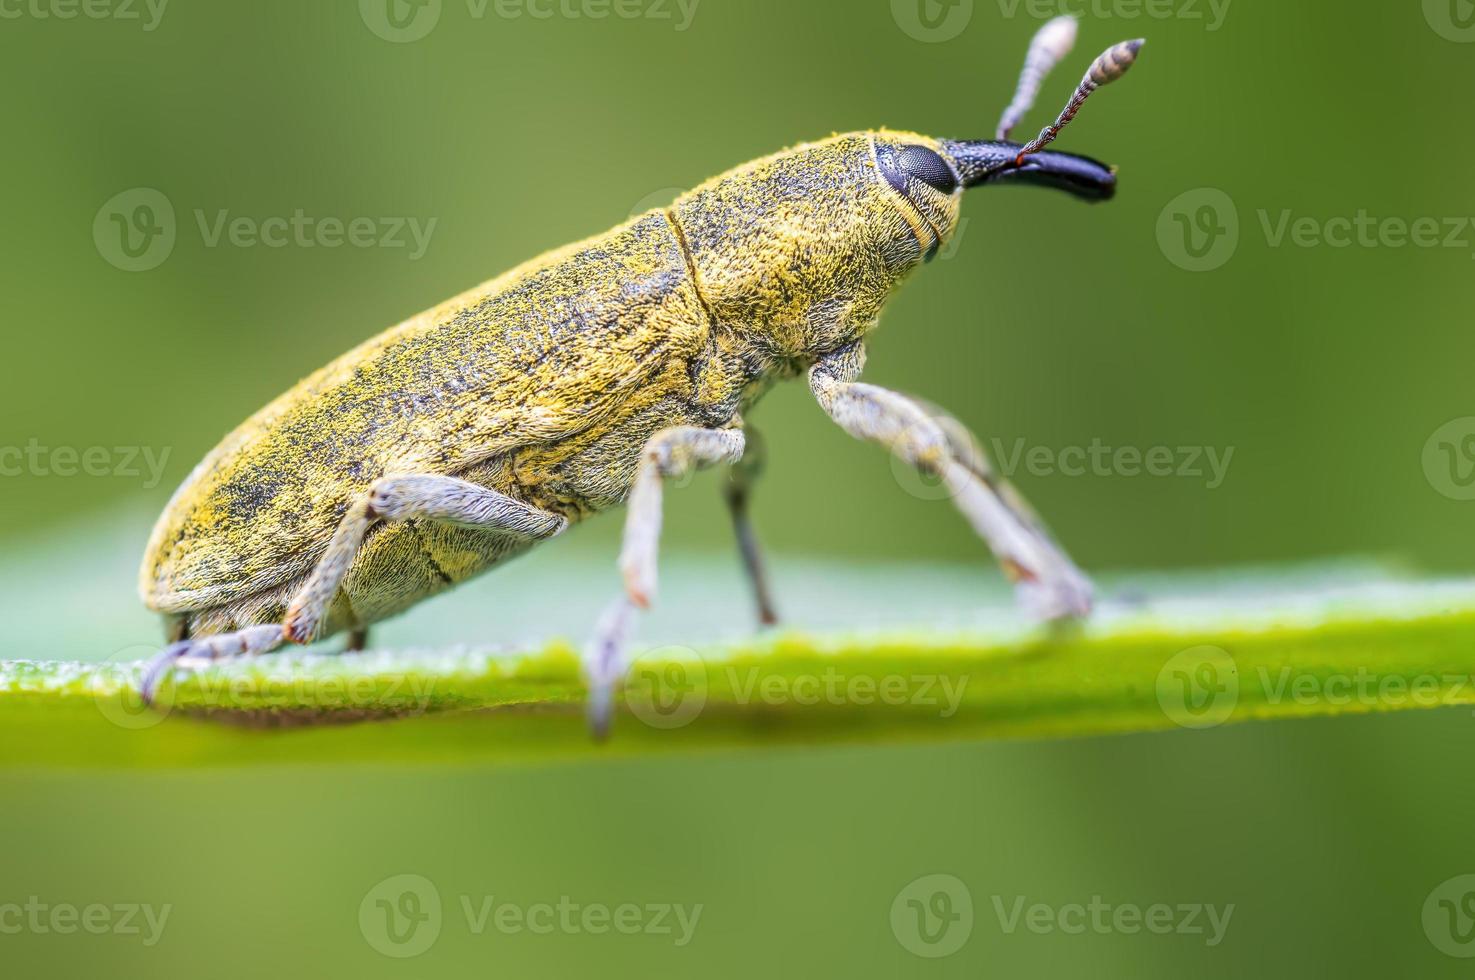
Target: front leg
[
  {"x": 1048, "y": 584},
  {"x": 669, "y": 454}
]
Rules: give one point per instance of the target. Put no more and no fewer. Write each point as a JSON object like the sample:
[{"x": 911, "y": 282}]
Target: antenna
[
  {"x": 1112, "y": 64},
  {"x": 1050, "y": 46}
]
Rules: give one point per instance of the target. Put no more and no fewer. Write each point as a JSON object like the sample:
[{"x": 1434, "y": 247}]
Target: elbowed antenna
[
  {"x": 1050, "y": 46},
  {"x": 1111, "y": 65}
]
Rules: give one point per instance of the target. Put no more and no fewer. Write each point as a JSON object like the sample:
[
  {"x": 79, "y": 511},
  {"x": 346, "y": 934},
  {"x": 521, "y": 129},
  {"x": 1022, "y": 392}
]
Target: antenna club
[{"x": 1114, "y": 62}]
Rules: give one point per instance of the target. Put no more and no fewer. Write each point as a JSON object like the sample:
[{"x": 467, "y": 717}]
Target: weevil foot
[
  {"x": 604, "y": 664},
  {"x": 190, "y": 655},
  {"x": 1064, "y": 594},
  {"x": 159, "y": 669}
]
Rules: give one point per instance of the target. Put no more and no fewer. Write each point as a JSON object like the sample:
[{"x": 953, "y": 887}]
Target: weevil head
[{"x": 801, "y": 250}]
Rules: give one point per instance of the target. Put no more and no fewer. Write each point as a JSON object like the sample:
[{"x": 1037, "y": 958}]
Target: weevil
[{"x": 585, "y": 379}]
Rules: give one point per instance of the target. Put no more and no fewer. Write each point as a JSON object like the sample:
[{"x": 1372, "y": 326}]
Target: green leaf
[{"x": 1229, "y": 649}]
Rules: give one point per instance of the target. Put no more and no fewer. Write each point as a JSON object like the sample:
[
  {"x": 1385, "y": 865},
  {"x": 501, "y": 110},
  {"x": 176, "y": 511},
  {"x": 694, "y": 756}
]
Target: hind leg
[
  {"x": 192, "y": 654},
  {"x": 404, "y": 498},
  {"x": 400, "y": 498},
  {"x": 670, "y": 453}
]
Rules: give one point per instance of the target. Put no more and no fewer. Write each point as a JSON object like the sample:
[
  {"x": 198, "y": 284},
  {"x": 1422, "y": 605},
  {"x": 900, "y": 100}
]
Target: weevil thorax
[{"x": 801, "y": 250}]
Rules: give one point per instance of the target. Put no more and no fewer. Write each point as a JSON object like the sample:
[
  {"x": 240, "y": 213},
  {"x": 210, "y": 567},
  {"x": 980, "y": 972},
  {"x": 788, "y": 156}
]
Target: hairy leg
[
  {"x": 669, "y": 454},
  {"x": 1048, "y": 583},
  {"x": 402, "y": 498},
  {"x": 399, "y": 498}
]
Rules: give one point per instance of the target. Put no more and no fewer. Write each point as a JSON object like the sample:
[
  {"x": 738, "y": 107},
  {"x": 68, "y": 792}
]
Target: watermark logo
[
  {"x": 1449, "y": 917},
  {"x": 1199, "y": 687},
  {"x": 1453, "y": 20},
  {"x": 135, "y": 230},
  {"x": 400, "y": 917},
  {"x": 1198, "y": 230},
  {"x": 1449, "y": 459},
  {"x": 667, "y": 687},
  {"x": 400, "y": 21},
  {"x": 658, "y": 199},
  {"x": 932, "y": 21},
  {"x": 933, "y": 916}
]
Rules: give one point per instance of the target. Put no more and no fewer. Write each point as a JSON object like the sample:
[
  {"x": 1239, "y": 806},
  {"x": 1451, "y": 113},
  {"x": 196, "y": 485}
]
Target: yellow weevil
[{"x": 584, "y": 379}]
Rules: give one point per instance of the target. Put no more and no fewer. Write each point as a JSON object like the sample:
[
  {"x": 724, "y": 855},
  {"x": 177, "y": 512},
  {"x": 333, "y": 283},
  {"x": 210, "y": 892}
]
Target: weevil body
[{"x": 580, "y": 382}]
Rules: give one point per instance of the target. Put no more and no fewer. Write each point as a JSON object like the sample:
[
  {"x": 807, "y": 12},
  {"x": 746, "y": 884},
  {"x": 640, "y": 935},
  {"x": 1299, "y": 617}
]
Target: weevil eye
[{"x": 928, "y": 167}]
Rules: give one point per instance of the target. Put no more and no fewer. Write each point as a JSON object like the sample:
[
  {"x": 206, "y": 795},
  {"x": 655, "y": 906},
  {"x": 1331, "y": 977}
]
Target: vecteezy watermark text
[
  {"x": 1103, "y": 918},
  {"x": 1212, "y": 12},
  {"x": 121, "y": 462},
  {"x": 834, "y": 687},
  {"x": 41, "y": 918},
  {"x": 933, "y": 917},
  {"x": 669, "y": 687},
  {"x": 136, "y": 230},
  {"x": 404, "y": 21},
  {"x": 568, "y": 917},
  {"x": 402, "y": 916},
  {"x": 306, "y": 231},
  {"x": 147, "y": 12},
  {"x": 1207, "y": 463},
  {"x": 114, "y": 684}
]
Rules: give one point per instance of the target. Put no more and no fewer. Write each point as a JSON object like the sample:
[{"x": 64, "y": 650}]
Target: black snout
[{"x": 997, "y": 162}]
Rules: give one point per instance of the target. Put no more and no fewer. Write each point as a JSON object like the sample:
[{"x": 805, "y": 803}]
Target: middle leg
[
  {"x": 669, "y": 454},
  {"x": 738, "y": 489}
]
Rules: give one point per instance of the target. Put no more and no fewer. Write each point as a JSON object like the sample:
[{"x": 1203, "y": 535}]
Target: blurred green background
[{"x": 1327, "y": 370}]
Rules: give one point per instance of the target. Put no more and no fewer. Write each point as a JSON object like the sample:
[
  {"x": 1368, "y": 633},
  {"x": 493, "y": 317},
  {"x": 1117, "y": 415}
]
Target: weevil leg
[
  {"x": 738, "y": 490},
  {"x": 192, "y": 654},
  {"x": 1048, "y": 583},
  {"x": 604, "y": 662},
  {"x": 401, "y": 498},
  {"x": 669, "y": 454}
]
